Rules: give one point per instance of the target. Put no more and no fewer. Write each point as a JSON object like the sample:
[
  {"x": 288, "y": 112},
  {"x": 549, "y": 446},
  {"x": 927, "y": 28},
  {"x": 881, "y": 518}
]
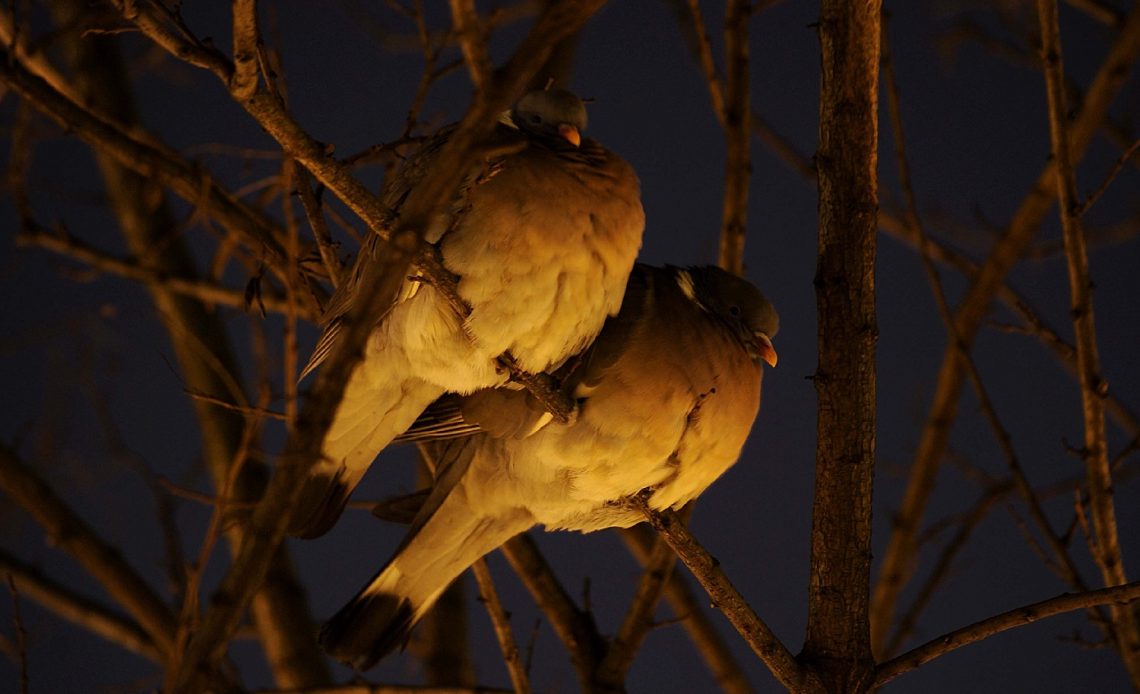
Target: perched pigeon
[
  {"x": 667, "y": 395},
  {"x": 542, "y": 239}
]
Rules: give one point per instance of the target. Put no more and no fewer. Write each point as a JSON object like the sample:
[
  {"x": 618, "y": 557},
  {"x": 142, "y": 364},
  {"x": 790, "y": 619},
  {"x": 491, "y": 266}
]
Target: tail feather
[
  {"x": 376, "y": 407},
  {"x": 367, "y": 629},
  {"x": 445, "y": 539},
  {"x": 322, "y": 501}
]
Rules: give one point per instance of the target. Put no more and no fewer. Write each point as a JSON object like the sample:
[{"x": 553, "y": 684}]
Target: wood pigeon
[
  {"x": 542, "y": 239},
  {"x": 666, "y": 397}
]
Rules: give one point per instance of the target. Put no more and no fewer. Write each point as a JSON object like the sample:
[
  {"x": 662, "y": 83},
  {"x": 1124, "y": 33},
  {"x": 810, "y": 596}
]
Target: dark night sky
[{"x": 78, "y": 356}]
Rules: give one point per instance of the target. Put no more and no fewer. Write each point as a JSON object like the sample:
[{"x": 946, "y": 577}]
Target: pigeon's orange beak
[
  {"x": 765, "y": 349},
  {"x": 570, "y": 134}
]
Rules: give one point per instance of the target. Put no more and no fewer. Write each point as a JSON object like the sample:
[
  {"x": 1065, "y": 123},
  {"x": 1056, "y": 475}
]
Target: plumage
[
  {"x": 666, "y": 397},
  {"x": 542, "y": 240}
]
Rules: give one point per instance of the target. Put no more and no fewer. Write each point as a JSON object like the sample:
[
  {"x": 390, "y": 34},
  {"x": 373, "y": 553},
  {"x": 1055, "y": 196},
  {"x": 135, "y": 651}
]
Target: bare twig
[
  {"x": 728, "y": 600},
  {"x": 638, "y": 620},
  {"x": 898, "y": 559},
  {"x": 147, "y": 158},
  {"x": 202, "y": 290},
  {"x": 268, "y": 523},
  {"x": 693, "y": 26},
  {"x": 315, "y": 215},
  {"x": 472, "y": 41},
  {"x": 1067, "y": 602},
  {"x": 501, "y": 622},
  {"x": 737, "y": 136},
  {"x": 386, "y": 689},
  {"x": 1107, "y": 553},
  {"x": 21, "y": 635},
  {"x": 685, "y": 605},
  {"x": 1004, "y": 441},
  {"x": 1100, "y": 11},
  {"x": 78, "y": 609},
  {"x": 945, "y": 562},
  {"x": 1092, "y": 197},
  {"x": 574, "y": 627},
  {"x": 101, "y": 560},
  {"x": 198, "y": 337}
]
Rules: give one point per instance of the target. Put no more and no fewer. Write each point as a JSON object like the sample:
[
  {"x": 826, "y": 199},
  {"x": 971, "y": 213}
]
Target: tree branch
[
  {"x": 78, "y": 609},
  {"x": 612, "y": 671},
  {"x": 837, "y": 648},
  {"x": 574, "y": 627},
  {"x": 898, "y": 559},
  {"x": 69, "y": 533},
  {"x": 501, "y": 622},
  {"x": 1067, "y": 602},
  {"x": 267, "y": 526},
  {"x": 737, "y": 137},
  {"x": 640, "y": 539},
  {"x": 728, "y": 600},
  {"x": 1106, "y": 551}
]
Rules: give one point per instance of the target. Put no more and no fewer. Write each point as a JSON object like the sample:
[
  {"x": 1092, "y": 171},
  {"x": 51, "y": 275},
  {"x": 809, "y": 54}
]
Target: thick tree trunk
[{"x": 838, "y": 646}]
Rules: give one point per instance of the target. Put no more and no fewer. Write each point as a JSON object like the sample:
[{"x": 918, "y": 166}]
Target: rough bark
[{"x": 838, "y": 646}]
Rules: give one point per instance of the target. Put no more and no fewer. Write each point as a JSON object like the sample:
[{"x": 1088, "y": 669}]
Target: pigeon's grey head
[
  {"x": 739, "y": 306},
  {"x": 554, "y": 114}
]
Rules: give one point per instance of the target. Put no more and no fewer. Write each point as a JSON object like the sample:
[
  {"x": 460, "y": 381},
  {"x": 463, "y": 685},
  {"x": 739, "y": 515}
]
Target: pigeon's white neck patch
[{"x": 685, "y": 281}]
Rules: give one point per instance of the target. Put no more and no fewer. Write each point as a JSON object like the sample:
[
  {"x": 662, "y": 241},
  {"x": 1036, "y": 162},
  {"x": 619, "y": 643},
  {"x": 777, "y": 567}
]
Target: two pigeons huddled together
[{"x": 663, "y": 365}]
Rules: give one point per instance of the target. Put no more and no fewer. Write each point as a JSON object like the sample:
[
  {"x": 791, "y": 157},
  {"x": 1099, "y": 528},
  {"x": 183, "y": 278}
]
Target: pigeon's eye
[
  {"x": 534, "y": 118},
  {"x": 734, "y": 310}
]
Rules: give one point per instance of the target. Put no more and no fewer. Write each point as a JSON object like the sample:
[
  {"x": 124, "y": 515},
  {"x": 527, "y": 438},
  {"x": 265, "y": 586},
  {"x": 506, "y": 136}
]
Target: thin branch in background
[
  {"x": 197, "y": 335},
  {"x": 1067, "y": 602},
  {"x": 501, "y": 622},
  {"x": 730, "y": 104},
  {"x": 896, "y": 226},
  {"x": 612, "y": 671},
  {"x": 727, "y": 599},
  {"x": 472, "y": 40},
  {"x": 693, "y": 28},
  {"x": 708, "y": 641},
  {"x": 21, "y": 635},
  {"x": 78, "y": 609},
  {"x": 320, "y": 228},
  {"x": 573, "y": 626},
  {"x": 221, "y": 515},
  {"x": 289, "y": 356},
  {"x": 270, "y": 520},
  {"x": 147, "y": 158},
  {"x": 737, "y": 137},
  {"x": 246, "y": 410},
  {"x": 941, "y": 569},
  {"x": 898, "y": 560},
  {"x": 782, "y": 147},
  {"x": 431, "y": 51},
  {"x": 1100, "y": 11},
  {"x": 1092, "y": 197},
  {"x": 104, "y": 263},
  {"x": 1107, "y": 552},
  {"x": 1061, "y": 558},
  {"x": 101, "y": 560},
  {"x": 385, "y": 689}
]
